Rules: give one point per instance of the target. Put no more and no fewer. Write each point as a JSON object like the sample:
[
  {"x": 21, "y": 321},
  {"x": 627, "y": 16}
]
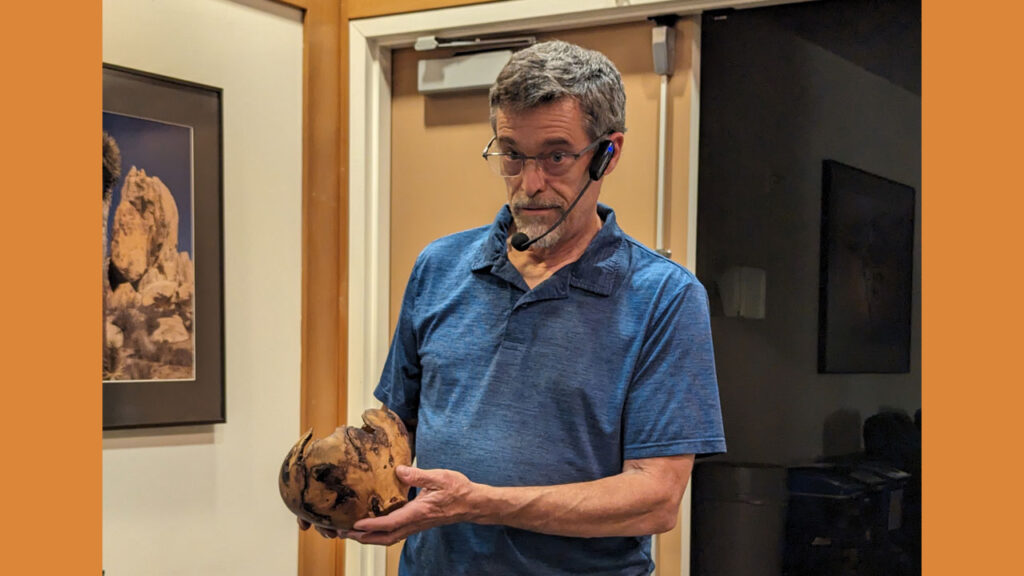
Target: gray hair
[{"x": 549, "y": 71}]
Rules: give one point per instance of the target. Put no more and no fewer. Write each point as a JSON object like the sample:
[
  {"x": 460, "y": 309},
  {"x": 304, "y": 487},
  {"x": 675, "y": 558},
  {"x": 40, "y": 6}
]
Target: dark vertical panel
[{"x": 782, "y": 89}]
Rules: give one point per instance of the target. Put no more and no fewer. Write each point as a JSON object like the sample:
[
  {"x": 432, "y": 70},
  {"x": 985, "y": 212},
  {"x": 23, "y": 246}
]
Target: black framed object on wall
[
  {"x": 163, "y": 312},
  {"x": 866, "y": 278}
]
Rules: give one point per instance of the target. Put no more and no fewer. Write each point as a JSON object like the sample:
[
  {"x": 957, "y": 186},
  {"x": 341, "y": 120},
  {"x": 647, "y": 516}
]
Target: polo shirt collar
[{"x": 598, "y": 269}]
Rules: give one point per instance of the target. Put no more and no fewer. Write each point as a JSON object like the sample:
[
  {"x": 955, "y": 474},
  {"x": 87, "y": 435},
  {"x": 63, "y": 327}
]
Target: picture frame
[
  {"x": 866, "y": 274},
  {"x": 163, "y": 308}
]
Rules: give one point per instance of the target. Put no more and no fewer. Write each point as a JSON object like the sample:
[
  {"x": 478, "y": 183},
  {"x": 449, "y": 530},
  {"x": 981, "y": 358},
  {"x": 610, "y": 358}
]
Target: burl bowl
[{"x": 349, "y": 475}]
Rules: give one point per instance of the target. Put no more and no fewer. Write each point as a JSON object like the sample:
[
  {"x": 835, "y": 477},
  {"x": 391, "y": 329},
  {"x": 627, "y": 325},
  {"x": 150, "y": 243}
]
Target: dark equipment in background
[{"x": 855, "y": 515}]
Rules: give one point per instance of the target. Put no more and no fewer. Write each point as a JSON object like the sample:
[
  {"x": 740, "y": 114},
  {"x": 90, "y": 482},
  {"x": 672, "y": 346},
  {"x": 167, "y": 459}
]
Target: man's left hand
[{"x": 443, "y": 499}]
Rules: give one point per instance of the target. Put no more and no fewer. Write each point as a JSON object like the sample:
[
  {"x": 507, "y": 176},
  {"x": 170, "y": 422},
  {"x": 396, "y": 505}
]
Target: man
[{"x": 558, "y": 376}]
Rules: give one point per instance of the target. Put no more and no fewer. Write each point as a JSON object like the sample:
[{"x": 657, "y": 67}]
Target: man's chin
[
  {"x": 548, "y": 241},
  {"x": 531, "y": 227},
  {"x": 534, "y": 230}
]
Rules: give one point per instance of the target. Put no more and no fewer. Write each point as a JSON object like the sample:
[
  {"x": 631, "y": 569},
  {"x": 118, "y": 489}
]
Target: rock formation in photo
[{"x": 149, "y": 299}]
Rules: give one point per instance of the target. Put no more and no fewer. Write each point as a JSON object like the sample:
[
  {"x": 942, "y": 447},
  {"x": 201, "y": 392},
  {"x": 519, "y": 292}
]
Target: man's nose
[{"x": 533, "y": 177}]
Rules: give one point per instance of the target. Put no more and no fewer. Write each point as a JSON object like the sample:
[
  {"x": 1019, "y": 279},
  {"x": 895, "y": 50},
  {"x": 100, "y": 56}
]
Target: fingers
[
  {"x": 396, "y": 526},
  {"x": 330, "y": 532},
  {"x": 393, "y": 528},
  {"x": 379, "y": 538},
  {"x": 410, "y": 513}
]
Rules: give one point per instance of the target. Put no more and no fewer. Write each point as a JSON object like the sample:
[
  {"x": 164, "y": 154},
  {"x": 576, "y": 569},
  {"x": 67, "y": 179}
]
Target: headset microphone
[
  {"x": 595, "y": 171},
  {"x": 520, "y": 241}
]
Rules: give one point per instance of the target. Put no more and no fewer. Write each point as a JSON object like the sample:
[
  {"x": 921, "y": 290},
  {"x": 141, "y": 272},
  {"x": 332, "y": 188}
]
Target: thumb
[
  {"x": 407, "y": 474},
  {"x": 414, "y": 476}
]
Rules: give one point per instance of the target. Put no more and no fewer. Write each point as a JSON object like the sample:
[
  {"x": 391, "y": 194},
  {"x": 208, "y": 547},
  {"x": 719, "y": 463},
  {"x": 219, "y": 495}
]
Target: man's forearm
[
  {"x": 639, "y": 501},
  {"x": 642, "y": 499}
]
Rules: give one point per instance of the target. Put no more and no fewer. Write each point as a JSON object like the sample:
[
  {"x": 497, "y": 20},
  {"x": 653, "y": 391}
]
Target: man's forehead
[{"x": 560, "y": 122}]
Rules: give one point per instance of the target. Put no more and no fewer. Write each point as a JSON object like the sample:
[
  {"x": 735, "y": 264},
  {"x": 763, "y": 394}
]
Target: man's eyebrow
[{"x": 557, "y": 141}]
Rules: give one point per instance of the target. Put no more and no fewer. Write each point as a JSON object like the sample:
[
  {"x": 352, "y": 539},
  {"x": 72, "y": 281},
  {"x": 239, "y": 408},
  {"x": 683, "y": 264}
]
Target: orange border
[
  {"x": 51, "y": 426},
  {"x": 52, "y": 418},
  {"x": 972, "y": 201}
]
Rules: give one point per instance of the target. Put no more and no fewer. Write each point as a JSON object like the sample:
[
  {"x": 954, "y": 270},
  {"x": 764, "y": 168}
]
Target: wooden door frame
[{"x": 324, "y": 268}]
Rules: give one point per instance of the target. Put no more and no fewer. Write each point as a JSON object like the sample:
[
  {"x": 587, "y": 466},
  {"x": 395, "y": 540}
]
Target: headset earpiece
[{"x": 599, "y": 163}]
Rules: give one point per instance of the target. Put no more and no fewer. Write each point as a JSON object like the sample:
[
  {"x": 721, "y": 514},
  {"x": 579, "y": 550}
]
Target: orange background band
[
  {"x": 51, "y": 421},
  {"x": 50, "y": 287}
]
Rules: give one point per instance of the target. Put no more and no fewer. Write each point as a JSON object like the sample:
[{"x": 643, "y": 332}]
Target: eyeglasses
[{"x": 510, "y": 164}]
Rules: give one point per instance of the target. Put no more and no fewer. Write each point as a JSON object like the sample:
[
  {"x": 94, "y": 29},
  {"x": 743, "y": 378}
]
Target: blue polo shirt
[{"x": 607, "y": 360}]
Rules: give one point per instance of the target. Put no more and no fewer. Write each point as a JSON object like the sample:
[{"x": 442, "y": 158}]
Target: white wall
[{"x": 203, "y": 500}]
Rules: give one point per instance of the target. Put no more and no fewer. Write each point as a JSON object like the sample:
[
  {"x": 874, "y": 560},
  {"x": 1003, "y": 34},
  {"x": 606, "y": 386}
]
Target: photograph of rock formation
[{"x": 148, "y": 272}]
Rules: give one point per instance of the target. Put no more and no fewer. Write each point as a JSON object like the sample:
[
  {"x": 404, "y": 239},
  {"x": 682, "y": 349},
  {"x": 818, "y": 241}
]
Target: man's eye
[{"x": 558, "y": 157}]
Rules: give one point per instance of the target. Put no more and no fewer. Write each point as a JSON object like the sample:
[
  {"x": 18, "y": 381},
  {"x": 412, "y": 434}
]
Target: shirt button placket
[{"x": 516, "y": 329}]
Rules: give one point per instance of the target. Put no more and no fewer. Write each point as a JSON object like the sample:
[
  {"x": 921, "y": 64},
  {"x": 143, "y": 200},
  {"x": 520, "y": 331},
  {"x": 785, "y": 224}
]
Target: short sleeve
[
  {"x": 673, "y": 404},
  {"x": 399, "y": 386}
]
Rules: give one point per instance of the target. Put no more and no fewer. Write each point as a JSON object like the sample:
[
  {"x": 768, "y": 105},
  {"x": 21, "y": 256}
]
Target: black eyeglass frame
[{"x": 537, "y": 157}]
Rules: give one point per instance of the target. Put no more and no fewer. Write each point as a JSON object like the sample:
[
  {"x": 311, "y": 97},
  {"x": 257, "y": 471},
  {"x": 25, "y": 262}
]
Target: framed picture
[
  {"x": 866, "y": 279},
  {"x": 163, "y": 313}
]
